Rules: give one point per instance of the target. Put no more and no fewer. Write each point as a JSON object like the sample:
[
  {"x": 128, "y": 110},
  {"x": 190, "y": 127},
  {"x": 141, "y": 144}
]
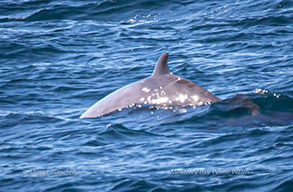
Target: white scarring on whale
[{"x": 161, "y": 88}]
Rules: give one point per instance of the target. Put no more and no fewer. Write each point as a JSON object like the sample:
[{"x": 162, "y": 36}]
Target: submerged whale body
[{"x": 161, "y": 88}]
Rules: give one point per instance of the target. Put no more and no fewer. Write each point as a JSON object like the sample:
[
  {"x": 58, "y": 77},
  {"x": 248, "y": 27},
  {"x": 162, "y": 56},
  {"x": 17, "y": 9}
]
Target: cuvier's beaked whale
[{"x": 161, "y": 88}]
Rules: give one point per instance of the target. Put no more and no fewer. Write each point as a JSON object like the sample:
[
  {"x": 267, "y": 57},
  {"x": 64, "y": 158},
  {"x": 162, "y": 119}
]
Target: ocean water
[{"x": 57, "y": 58}]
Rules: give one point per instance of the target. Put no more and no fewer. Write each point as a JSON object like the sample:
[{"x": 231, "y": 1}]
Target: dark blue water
[{"x": 57, "y": 58}]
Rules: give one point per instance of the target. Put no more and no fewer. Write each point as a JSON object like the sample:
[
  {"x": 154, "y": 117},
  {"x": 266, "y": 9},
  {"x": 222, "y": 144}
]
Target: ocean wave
[{"x": 60, "y": 57}]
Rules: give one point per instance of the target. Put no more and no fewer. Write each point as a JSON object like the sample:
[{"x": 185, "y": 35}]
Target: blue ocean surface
[{"x": 57, "y": 58}]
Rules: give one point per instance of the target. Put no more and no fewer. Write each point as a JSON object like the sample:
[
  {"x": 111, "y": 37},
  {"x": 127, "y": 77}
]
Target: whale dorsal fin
[{"x": 162, "y": 65}]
